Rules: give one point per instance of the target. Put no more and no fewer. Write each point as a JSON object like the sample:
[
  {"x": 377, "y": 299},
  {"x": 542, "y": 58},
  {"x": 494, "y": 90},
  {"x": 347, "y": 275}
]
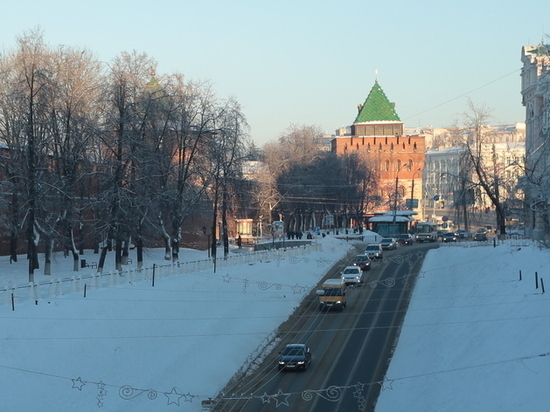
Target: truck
[{"x": 332, "y": 294}]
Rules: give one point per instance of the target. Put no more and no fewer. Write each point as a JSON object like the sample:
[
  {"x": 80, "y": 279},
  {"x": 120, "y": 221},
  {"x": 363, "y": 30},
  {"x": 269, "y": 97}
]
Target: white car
[{"x": 352, "y": 275}]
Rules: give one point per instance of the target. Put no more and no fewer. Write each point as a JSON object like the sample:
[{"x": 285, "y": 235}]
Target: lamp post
[
  {"x": 396, "y": 195},
  {"x": 395, "y": 198},
  {"x": 411, "y": 206}
]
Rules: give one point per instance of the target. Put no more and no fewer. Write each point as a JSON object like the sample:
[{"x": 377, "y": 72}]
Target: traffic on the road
[{"x": 333, "y": 353}]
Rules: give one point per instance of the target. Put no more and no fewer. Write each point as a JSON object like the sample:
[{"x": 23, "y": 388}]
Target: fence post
[
  {"x": 6, "y": 296},
  {"x": 520, "y": 275},
  {"x": 536, "y": 280},
  {"x": 154, "y": 268},
  {"x": 32, "y": 292},
  {"x": 542, "y": 285}
]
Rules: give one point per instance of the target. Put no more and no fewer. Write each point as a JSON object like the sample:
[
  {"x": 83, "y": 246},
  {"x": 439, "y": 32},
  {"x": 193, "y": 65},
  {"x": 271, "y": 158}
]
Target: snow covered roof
[
  {"x": 388, "y": 218},
  {"x": 401, "y": 213}
]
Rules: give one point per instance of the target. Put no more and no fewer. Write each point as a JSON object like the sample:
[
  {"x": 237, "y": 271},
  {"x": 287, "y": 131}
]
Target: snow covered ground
[
  {"x": 131, "y": 346},
  {"x": 474, "y": 338}
]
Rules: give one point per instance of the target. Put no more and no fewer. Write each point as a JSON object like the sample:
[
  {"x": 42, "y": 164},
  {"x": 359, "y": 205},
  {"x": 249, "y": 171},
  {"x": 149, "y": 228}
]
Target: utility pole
[
  {"x": 395, "y": 201},
  {"x": 411, "y": 205}
]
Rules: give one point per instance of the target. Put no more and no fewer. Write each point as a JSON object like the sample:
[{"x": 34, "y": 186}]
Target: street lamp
[
  {"x": 399, "y": 168},
  {"x": 411, "y": 206}
]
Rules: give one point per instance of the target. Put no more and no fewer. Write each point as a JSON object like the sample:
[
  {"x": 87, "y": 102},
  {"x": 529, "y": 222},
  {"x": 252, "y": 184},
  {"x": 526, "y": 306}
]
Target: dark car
[
  {"x": 449, "y": 237},
  {"x": 405, "y": 239},
  {"x": 295, "y": 356},
  {"x": 463, "y": 234},
  {"x": 480, "y": 237},
  {"x": 363, "y": 261}
]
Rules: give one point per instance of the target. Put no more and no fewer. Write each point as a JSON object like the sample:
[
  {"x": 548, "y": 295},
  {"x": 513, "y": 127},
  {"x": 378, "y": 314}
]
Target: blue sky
[{"x": 311, "y": 62}]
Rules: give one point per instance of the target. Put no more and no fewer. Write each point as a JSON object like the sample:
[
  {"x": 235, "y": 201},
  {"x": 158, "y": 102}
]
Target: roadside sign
[{"x": 411, "y": 203}]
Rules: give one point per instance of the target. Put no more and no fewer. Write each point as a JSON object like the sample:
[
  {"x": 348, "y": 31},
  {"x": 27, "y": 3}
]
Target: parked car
[
  {"x": 463, "y": 234},
  {"x": 374, "y": 251},
  {"x": 362, "y": 261},
  {"x": 405, "y": 239},
  {"x": 295, "y": 356},
  {"x": 516, "y": 233},
  {"x": 480, "y": 237},
  {"x": 388, "y": 243},
  {"x": 352, "y": 275},
  {"x": 449, "y": 237}
]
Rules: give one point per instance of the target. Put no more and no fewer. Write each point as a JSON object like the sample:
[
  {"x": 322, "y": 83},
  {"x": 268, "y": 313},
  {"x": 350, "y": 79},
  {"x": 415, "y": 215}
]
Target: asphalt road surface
[{"x": 351, "y": 349}]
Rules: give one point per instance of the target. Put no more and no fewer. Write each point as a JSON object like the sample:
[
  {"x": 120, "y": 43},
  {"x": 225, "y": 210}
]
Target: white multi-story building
[
  {"x": 441, "y": 173},
  {"x": 450, "y": 181},
  {"x": 535, "y": 89}
]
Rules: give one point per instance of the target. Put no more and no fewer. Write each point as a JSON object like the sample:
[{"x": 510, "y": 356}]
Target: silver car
[
  {"x": 374, "y": 251},
  {"x": 352, "y": 275},
  {"x": 388, "y": 243}
]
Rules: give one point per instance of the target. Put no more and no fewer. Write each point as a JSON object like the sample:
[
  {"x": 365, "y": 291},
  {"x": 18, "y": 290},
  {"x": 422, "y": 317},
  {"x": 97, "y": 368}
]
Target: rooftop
[{"x": 377, "y": 108}]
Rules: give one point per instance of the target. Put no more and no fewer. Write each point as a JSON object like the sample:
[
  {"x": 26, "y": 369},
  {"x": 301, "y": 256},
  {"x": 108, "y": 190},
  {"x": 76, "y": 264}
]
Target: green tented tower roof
[{"x": 377, "y": 108}]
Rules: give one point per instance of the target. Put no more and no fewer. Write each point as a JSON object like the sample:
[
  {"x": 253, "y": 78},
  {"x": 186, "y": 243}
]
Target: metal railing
[{"x": 14, "y": 294}]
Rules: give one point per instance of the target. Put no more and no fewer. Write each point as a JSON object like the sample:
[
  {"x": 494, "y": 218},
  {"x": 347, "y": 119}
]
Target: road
[{"x": 351, "y": 349}]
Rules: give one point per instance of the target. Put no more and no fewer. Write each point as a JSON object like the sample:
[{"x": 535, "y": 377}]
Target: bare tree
[
  {"x": 360, "y": 185},
  {"x": 227, "y": 152},
  {"x": 71, "y": 108},
  {"x": 487, "y": 171},
  {"x": 297, "y": 147},
  {"x": 26, "y": 89},
  {"x": 143, "y": 150},
  {"x": 127, "y": 79},
  {"x": 265, "y": 193},
  {"x": 184, "y": 173}
]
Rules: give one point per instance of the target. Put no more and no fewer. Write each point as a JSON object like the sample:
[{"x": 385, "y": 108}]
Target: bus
[{"x": 426, "y": 232}]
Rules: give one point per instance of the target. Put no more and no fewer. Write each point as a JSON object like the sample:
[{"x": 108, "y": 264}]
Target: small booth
[
  {"x": 244, "y": 228},
  {"x": 393, "y": 223}
]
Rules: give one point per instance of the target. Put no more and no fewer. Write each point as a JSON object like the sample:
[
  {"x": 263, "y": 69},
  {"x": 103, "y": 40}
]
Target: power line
[{"x": 464, "y": 94}]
